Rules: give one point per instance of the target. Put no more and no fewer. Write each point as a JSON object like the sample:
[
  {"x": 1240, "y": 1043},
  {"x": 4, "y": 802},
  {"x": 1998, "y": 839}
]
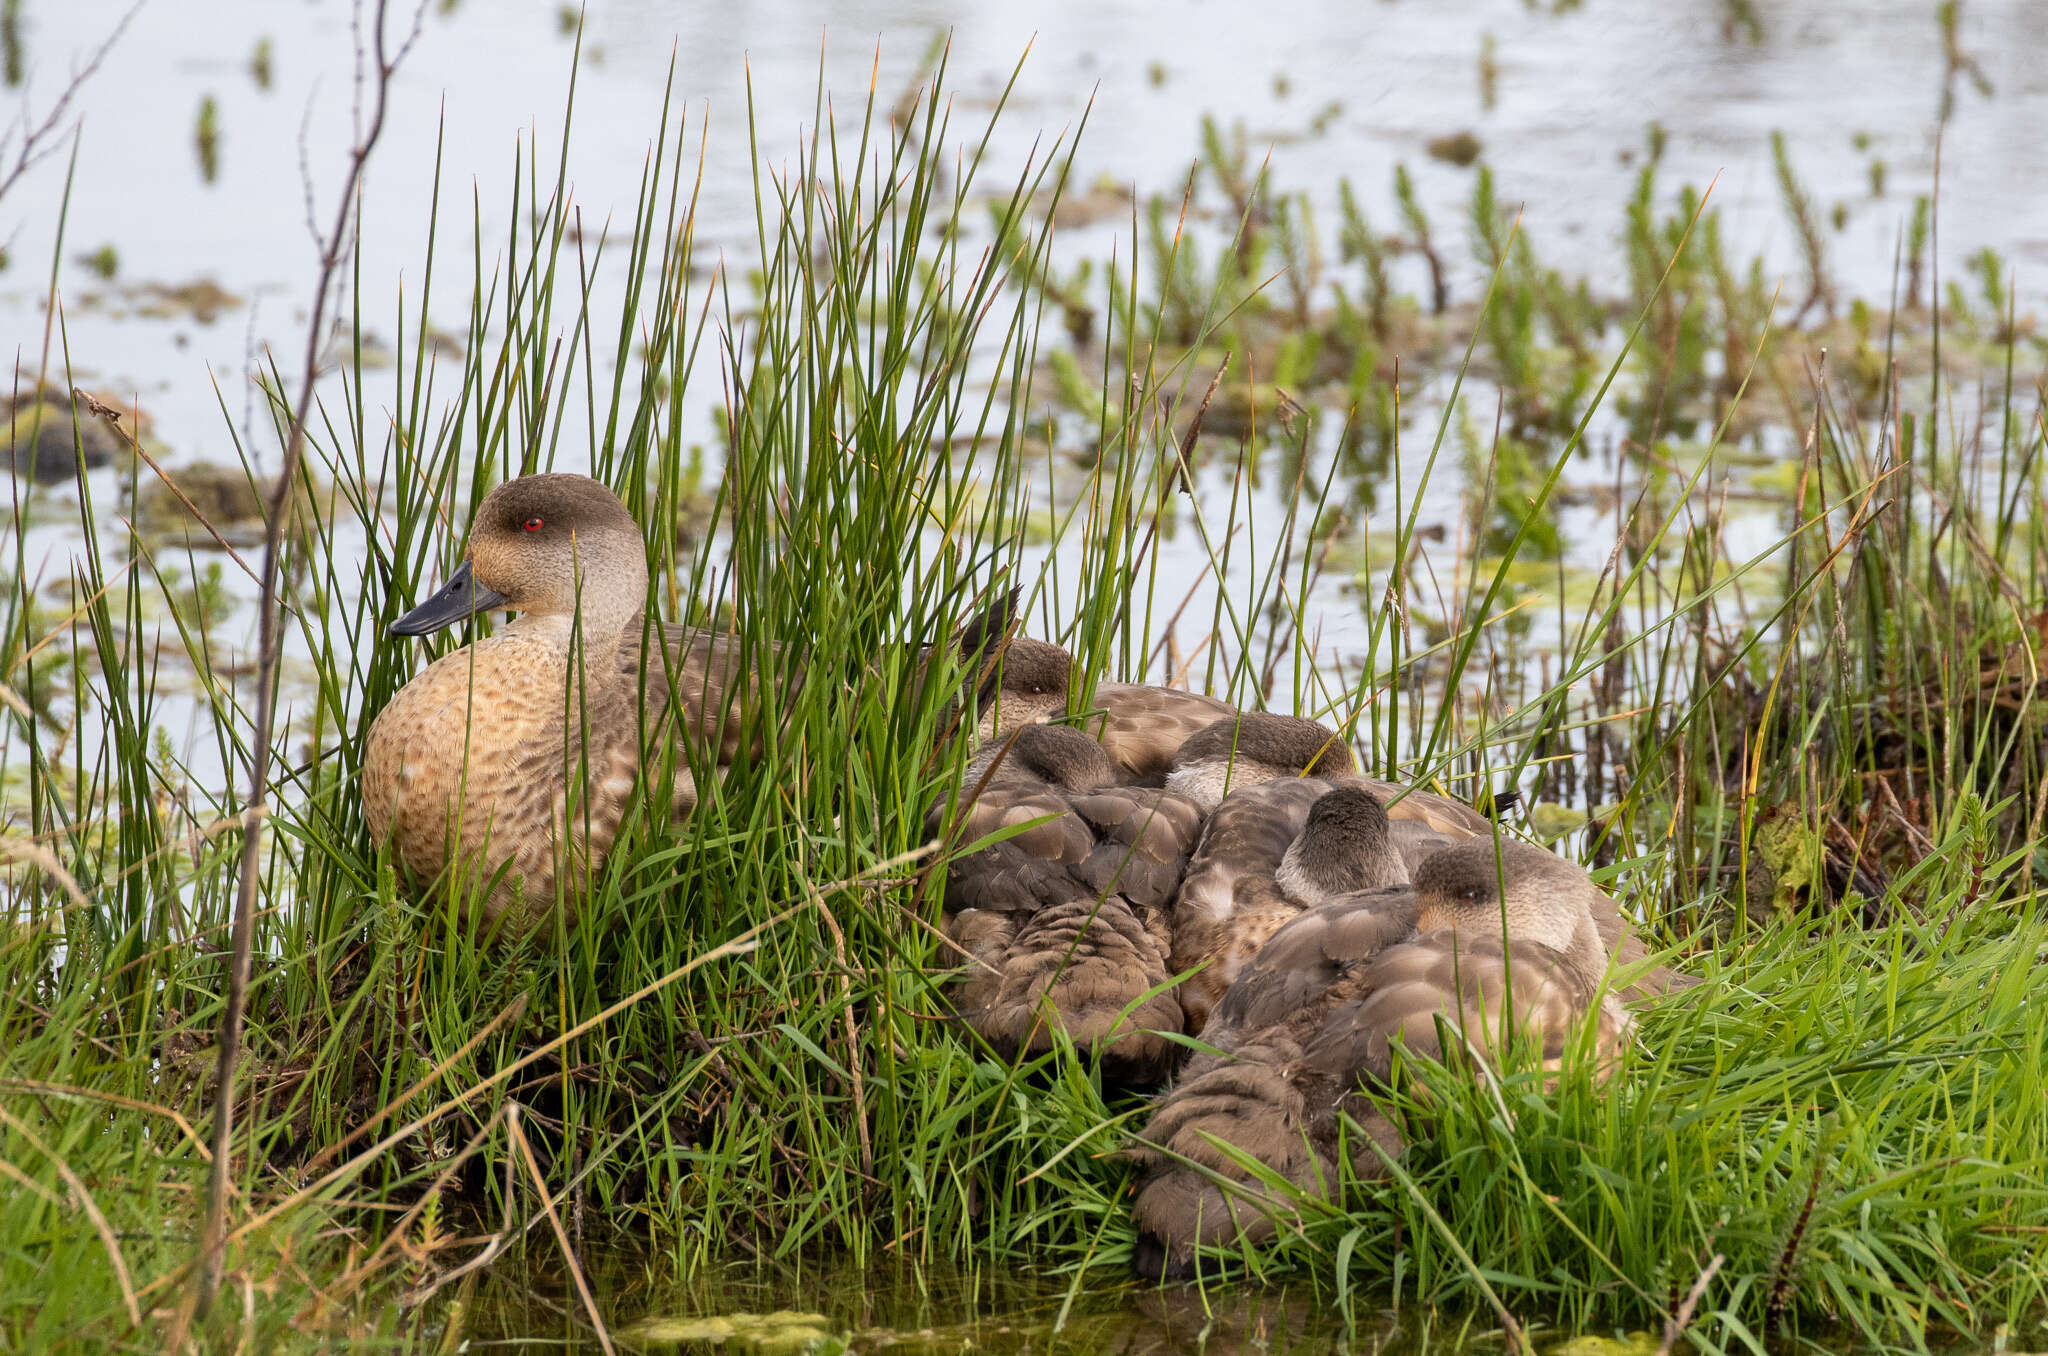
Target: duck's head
[
  {"x": 1059, "y": 755},
  {"x": 1258, "y": 746},
  {"x": 1513, "y": 890},
  {"x": 1347, "y": 844},
  {"x": 1066, "y": 757},
  {"x": 553, "y": 545}
]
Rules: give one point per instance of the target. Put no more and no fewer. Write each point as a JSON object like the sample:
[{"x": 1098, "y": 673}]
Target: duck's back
[
  {"x": 1142, "y": 727},
  {"x": 713, "y": 679}
]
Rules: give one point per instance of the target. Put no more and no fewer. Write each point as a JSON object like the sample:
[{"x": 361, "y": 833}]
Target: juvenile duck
[
  {"x": 1252, "y": 758},
  {"x": 1258, "y": 775},
  {"x": 512, "y": 761},
  {"x": 1308, "y": 1031},
  {"x": 1029, "y": 682},
  {"x": 1064, "y": 925}
]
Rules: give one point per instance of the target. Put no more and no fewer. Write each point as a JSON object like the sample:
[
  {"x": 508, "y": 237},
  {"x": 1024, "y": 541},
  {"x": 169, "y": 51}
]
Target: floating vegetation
[
  {"x": 104, "y": 261},
  {"x": 206, "y": 139}
]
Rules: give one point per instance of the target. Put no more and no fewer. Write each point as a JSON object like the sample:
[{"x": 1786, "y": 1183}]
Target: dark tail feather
[
  {"x": 979, "y": 644},
  {"x": 988, "y": 628}
]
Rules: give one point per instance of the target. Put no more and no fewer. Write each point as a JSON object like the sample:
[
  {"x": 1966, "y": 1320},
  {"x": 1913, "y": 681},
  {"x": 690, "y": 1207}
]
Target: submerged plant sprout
[{"x": 1734, "y": 591}]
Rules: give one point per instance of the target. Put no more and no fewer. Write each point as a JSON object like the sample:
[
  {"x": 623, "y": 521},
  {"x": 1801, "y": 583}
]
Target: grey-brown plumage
[
  {"x": 1238, "y": 771},
  {"x": 1259, "y": 775},
  {"x": 1308, "y": 1033},
  {"x": 504, "y": 769},
  {"x": 1065, "y": 925},
  {"x": 1142, "y": 726}
]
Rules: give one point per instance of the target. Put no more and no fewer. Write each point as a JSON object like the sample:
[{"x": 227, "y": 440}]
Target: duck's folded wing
[
  {"x": 1033, "y": 867},
  {"x": 1417, "y": 842},
  {"x": 701, "y": 675},
  {"x": 1144, "y": 838},
  {"x": 1197, "y": 1188},
  {"x": 1482, "y": 992},
  {"x": 1618, "y": 934},
  {"x": 1143, "y": 727},
  {"x": 1452, "y": 819},
  {"x": 1085, "y": 967},
  {"x": 1298, "y": 966}
]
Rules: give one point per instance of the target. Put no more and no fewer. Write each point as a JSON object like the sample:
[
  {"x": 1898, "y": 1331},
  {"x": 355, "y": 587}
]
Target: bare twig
[
  {"x": 860, "y": 1100},
  {"x": 1676, "y": 1324},
  {"x": 40, "y": 141},
  {"x": 112, "y": 418},
  {"x": 335, "y": 247},
  {"x": 547, "y": 1205}
]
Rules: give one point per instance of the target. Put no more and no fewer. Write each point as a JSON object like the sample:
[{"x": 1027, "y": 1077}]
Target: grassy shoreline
[{"x": 1821, "y": 779}]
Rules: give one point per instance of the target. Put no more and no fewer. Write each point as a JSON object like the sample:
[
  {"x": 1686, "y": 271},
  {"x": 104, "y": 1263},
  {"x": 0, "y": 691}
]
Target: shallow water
[
  {"x": 747, "y": 1308},
  {"x": 1575, "y": 91},
  {"x": 1335, "y": 92}
]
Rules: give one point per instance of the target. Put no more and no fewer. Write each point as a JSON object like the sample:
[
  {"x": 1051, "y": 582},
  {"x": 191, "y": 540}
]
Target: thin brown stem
[{"x": 213, "y": 1233}]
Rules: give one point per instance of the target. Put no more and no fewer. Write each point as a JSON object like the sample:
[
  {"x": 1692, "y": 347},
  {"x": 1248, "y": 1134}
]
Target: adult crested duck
[
  {"x": 1030, "y": 682},
  {"x": 1308, "y": 1032},
  {"x": 1064, "y": 925},
  {"x": 1257, "y": 777},
  {"x": 502, "y": 771}
]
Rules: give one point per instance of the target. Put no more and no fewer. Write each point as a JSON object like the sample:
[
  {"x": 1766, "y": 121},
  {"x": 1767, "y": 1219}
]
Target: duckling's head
[
  {"x": 1548, "y": 899},
  {"x": 1028, "y": 681},
  {"x": 1257, "y": 746},
  {"x": 555, "y": 545},
  {"x": 1347, "y": 844},
  {"x": 1064, "y": 756}
]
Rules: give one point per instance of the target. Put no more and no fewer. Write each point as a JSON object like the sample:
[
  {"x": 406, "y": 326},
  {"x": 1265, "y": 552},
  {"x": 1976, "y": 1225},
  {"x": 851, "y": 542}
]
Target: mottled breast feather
[{"x": 494, "y": 763}]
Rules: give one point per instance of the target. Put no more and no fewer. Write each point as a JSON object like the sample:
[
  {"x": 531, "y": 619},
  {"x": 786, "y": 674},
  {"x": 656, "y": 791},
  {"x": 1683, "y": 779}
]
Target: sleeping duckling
[
  {"x": 1064, "y": 925},
  {"x": 511, "y": 762},
  {"x": 1321, "y": 1010},
  {"x": 1258, "y": 775}
]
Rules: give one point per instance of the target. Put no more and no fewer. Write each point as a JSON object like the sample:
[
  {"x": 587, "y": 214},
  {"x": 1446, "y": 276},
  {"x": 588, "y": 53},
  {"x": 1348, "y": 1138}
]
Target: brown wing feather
[
  {"x": 1143, "y": 727},
  {"x": 702, "y": 672},
  {"x": 1144, "y": 837},
  {"x": 1082, "y": 967},
  {"x": 1296, "y": 968},
  {"x": 1439, "y": 814},
  {"x": 1481, "y": 989},
  {"x": 1087, "y": 892},
  {"x": 1251, "y": 1105}
]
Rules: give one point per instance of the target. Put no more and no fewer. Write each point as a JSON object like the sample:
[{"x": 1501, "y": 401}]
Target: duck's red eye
[{"x": 532, "y": 524}]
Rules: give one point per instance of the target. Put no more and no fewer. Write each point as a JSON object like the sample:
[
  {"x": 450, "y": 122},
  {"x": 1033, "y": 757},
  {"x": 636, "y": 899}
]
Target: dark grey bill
[{"x": 457, "y": 600}]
